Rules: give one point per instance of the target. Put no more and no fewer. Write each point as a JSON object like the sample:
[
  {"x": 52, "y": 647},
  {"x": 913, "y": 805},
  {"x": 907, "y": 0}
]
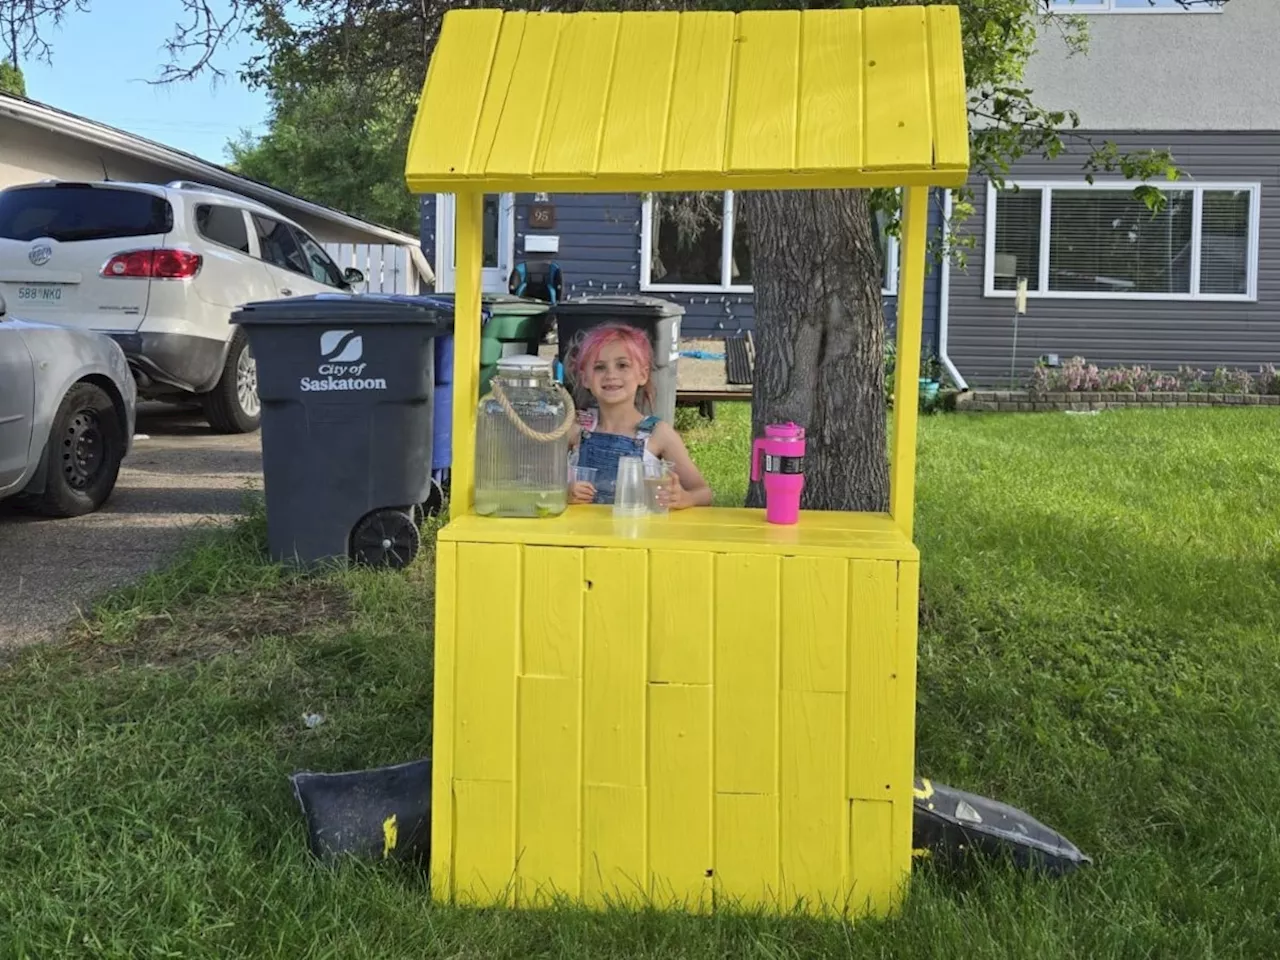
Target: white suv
[{"x": 160, "y": 270}]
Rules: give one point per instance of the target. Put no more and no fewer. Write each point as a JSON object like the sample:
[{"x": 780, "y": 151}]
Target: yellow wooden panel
[
  {"x": 442, "y": 722},
  {"x": 698, "y": 120},
  {"x": 813, "y": 107},
  {"x": 875, "y": 878},
  {"x": 635, "y": 127},
  {"x": 680, "y": 597},
  {"x": 746, "y": 871},
  {"x": 484, "y": 687},
  {"x": 873, "y": 592},
  {"x": 484, "y": 847},
  {"x": 454, "y": 90},
  {"x": 502, "y": 83},
  {"x": 898, "y": 124},
  {"x": 613, "y": 845},
  {"x": 466, "y": 352},
  {"x": 815, "y": 612},
  {"x": 515, "y": 143},
  {"x": 949, "y": 94},
  {"x": 548, "y": 792},
  {"x": 579, "y": 92},
  {"x": 614, "y": 668},
  {"x": 680, "y": 812},
  {"x": 830, "y": 126},
  {"x": 746, "y": 674},
  {"x": 813, "y": 802},
  {"x": 551, "y": 640},
  {"x": 904, "y": 728},
  {"x": 762, "y": 125},
  {"x": 902, "y": 470},
  {"x": 872, "y": 536}
]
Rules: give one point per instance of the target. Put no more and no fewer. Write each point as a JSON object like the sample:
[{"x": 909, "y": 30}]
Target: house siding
[
  {"x": 1166, "y": 71},
  {"x": 1161, "y": 334},
  {"x": 600, "y": 250}
]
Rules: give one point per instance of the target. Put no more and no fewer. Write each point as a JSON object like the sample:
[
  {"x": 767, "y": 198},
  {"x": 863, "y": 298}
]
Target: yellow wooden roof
[{"x": 594, "y": 102}]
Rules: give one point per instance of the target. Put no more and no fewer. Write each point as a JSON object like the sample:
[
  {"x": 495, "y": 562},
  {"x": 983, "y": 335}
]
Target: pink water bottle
[{"x": 783, "y": 449}]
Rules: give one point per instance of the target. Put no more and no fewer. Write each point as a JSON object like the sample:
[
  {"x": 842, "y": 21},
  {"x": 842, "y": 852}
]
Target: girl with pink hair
[{"x": 613, "y": 364}]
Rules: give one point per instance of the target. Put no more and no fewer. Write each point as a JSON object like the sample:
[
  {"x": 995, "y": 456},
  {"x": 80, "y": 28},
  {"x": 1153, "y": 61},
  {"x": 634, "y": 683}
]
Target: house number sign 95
[{"x": 542, "y": 216}]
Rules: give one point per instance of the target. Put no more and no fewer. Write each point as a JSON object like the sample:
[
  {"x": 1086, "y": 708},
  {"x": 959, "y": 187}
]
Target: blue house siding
[{"x": 600, "y": 238}]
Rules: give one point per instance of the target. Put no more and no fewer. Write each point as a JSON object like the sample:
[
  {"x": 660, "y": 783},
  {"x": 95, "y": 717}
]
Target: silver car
[{"x": 67, "y": 408}]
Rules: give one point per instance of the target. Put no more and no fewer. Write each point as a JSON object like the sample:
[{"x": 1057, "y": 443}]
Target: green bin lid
[{"x": 504, "y": 303}]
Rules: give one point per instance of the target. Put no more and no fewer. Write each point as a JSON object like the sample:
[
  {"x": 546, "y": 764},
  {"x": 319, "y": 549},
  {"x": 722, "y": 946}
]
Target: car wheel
[
  {"x": 86, "y": 447},
  {"x": 233, "y": 405}
]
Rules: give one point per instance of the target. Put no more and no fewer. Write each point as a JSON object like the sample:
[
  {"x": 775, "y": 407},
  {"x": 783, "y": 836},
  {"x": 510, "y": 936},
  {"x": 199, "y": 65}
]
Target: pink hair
[{"x": 584, "y": 354}]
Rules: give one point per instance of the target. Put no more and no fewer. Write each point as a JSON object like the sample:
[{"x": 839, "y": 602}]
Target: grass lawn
[{"x": 1100, "y": 645}]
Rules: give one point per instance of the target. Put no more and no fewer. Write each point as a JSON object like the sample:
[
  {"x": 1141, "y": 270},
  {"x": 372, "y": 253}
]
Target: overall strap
[{"x": 646, "y": 427}]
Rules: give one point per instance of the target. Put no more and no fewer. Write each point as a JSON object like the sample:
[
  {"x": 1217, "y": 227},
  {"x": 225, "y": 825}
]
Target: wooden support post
[
  {"x": 469, "y": 246},
  {"x": 906, "y": 385}
]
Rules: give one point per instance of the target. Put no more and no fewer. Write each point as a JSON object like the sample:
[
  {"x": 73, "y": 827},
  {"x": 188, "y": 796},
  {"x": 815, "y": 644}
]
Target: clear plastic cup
[
  {"x": 656, "y": 477},
  {"x": 579, "y": 474},
  {"x": 630, "y": 498}
]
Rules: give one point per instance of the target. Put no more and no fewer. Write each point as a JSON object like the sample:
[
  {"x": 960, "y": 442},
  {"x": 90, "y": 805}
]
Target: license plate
[{"x": 37, "y": 293}]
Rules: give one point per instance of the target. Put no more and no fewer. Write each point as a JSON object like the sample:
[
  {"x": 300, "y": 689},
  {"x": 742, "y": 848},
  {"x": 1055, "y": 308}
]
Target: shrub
[
  {"x": 1079, "y": 376},
  {"x": 1269, "y": 379}
]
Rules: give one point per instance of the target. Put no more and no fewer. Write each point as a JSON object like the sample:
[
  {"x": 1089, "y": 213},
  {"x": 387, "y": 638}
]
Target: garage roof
[{"x": 595, "y": 102}]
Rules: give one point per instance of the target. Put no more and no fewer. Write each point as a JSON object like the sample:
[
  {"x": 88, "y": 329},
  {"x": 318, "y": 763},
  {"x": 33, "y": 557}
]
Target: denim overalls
[{"x": 603, "y": 451}]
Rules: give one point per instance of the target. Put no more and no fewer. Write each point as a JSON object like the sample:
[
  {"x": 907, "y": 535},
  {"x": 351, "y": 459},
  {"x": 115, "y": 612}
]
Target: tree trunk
[{"x": 817, "y": 272}]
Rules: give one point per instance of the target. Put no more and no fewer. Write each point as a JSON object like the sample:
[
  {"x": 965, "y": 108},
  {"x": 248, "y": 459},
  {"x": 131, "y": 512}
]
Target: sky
[{"x": 103, "y": 58}]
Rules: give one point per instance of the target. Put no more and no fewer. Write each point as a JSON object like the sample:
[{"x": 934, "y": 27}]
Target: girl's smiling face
[{"x": 615, "y": 377}]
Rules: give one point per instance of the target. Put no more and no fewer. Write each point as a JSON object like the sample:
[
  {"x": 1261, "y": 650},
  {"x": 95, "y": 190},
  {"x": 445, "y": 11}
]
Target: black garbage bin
[
  {"x": 660, "y": 319},
  {"x": 346, "y": 385}
]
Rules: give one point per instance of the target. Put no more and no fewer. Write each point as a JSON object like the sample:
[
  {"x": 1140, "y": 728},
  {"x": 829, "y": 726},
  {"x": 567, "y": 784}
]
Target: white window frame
[
  {"x": 1197, "y": 189},
  {"x": 1087, "y": 8},
  {"x": 888, "y": 287}
]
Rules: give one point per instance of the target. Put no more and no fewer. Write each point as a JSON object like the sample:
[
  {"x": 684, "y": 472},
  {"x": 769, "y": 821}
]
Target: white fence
[{"x": 387, "y": 268}]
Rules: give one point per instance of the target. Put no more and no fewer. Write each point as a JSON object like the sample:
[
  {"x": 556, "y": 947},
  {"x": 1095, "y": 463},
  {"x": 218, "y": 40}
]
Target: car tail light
[{"x": 154, "y": 264}]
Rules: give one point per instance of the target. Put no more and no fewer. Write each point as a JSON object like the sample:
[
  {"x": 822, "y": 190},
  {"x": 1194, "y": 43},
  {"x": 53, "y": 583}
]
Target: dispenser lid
[{"x": 525, "y": 365}]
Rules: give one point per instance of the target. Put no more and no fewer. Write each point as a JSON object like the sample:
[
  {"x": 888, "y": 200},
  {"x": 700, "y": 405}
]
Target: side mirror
[
  {"x": 2, "y": 306},
  {"x": 351, "y": 276}
]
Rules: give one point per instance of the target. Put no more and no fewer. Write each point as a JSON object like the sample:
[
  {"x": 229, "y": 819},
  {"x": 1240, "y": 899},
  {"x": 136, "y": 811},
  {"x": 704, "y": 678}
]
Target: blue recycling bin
[{"x": 442, "y": 428}]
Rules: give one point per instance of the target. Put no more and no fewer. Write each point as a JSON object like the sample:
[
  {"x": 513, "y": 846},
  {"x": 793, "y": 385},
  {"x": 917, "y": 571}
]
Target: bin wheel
[
  {"x": 435, "y": 499},
  {"x": 386, "y": 538}
]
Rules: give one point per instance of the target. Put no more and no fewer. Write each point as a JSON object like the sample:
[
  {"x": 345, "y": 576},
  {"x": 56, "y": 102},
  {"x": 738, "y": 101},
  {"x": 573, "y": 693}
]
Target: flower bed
[
  {"x": 1079, "y": 385},
  {"x": 1024, "y": 401}
]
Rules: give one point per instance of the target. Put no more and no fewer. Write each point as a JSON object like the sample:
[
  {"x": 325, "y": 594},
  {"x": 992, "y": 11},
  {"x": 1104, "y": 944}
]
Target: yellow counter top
[{"x": 717, "y": 529}]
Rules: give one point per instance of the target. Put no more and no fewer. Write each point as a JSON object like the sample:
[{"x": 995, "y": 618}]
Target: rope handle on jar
[{"x": 570, "y": 416}]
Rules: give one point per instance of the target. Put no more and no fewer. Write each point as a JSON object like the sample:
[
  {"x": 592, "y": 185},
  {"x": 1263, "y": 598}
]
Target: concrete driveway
[{"x": 178, "y": 476}]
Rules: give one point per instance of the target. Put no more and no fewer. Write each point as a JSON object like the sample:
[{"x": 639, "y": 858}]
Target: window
[
  {"x": 1135, "y": 6},
  {"x": 323, "y": 269},
  {"x": 223, "y": 225},
  {"x": 1080, "y": 241},
  {"x": 686, "y": 248},
  {"x": 279, "y": 246},
  {"x": 492, "y": 214},
  {"x": 68, "y": 212}
]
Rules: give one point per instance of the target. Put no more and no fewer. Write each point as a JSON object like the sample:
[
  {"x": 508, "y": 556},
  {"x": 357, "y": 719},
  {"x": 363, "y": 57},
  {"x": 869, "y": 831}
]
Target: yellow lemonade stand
[{"x": 706, "y": 708}]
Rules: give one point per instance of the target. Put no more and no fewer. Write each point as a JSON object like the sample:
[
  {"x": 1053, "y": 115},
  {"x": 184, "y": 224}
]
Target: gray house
[
  {"x": 1199, "y": 283},
  {"x": 624, "y": 243}
]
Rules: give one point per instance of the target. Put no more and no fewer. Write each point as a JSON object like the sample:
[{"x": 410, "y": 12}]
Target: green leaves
[
  {"x": 338, "y": 143},
  {"x": 11, "y": 79}
]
